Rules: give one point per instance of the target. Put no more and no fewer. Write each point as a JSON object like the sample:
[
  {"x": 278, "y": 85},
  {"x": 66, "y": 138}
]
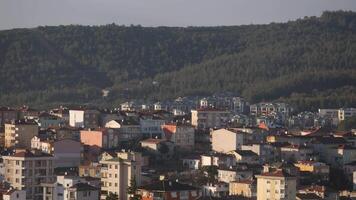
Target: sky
[{"x": 33, "y": 13}]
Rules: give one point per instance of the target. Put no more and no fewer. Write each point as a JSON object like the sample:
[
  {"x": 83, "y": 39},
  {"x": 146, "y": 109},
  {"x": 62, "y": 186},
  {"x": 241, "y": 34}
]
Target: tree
[
  {"x": 112, "y": 196},
  {"x": 132, "y": 190},
  {"x": 211, "y": 172}
]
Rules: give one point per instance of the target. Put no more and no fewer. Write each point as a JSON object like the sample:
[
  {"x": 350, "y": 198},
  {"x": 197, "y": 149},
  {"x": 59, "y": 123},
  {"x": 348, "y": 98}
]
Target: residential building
[
  {"x": 218, "y": 190},
  {"x": 237, "y": 173},
  {"x": 101, "y": 138},
  {"x": 90, "y": 169},
  {"x": 245, "y": 156},
  {"x": 314, "y": 167},
  {"x": 205, "y": 118},
  {"x": 276, "y": 185},
  {"x": 84, "y": 118},
  {"x": 180, "y": 134},
  {"x": 53, "y": 191},
  {"x": 83, "y": 191},
  {"x": 152, "y": 128},
  {"x": 117, "y": 174},
  {"x": 244, "y": 188},
  {"x": 13, "y": 194},
  {"x": 191, "y": 162},
  {"x": 127, "y": 129},
  {"x": 46, "y": 120},
  {"x": 169, "y": 190},
  {"x": 296, "y": 153},
  {"x": 26, "y": 170},
  {"x": 18, "y": 134},
  {"x": 346, "y": 113},
  {"x": 7, "y": 115},
  {"x": 224, "y": 140}
]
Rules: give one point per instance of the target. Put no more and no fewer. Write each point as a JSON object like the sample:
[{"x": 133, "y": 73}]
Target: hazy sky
[{"x": 32, "y": 13}]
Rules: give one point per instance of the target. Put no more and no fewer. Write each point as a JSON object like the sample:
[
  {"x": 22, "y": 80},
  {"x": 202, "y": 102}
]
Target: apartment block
[
  {"x": 18, "y": 134},
  {"x": 26, "y": 170},
  {"x": 205, "y": 118},
  {"x": 82, "y": 118},
  {"x": 117, "y": 173},
  {"x": 275, "y": 185},
  {"x": 181, "y": 135}
]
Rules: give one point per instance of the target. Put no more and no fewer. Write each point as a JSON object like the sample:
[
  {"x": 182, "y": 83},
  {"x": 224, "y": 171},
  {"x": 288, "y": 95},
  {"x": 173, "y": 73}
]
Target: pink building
[{"x": 102, "y": 138}]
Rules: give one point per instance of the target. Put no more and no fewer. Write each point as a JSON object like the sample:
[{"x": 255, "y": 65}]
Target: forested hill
[{"x": 309, "y": 62}]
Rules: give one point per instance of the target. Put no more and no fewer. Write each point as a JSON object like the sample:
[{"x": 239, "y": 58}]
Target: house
[
  {"x": 169, "y": 190},
  {"x": 61, "y": 112},
  {"x": 237, "y": 173},
  {"x": 341, "y": 155},
  {"x": 18, "y": 134},
  {"x": 161, "y": 149},
  {"x": 205, "y": 118},
  {"x": 276, "y": 185},
  {"x": 224, "y": 140},
  {"x": 128, "y": 128},
  {"x": 181, "y": 135},
  {"x": 317, "y": 168},
  {"x": 296, "y": 153},
  {"x": 83, "y": 191},
  {"x": 245, "y": 156},
  {"x": 244, "y": 188},
  {"x": 101, "y": 138},
  {"x": 90, "y": 169},
  {"x": 191, "y": 162},
  {"x": 218, "y": 159},
  {"x": 265, "y": 151},
  {"x": 46, "y": 120},
  {"x": 13, "y": 194},
  {"x": 308, "y": 196},
  {"x": 218, "y": 190}
]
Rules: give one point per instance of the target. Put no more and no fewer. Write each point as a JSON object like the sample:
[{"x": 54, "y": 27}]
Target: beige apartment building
[
  {"x": 26, "y": 170},
  {"x": 276, "y": 185},
  {"x": 117, "y": 173},
  {"x": 205, "y": 118},
  {"x": 225, "y": 141},
  {"x": 244, "y": 188},
  {"x": 19, "y": 133}
]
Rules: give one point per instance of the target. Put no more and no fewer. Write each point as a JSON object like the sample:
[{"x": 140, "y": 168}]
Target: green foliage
[
  {"x": 347, "y": 124},
  {"x": 211, "y": 172},
  {"x": 132, "y": 190},
  {"x": 303, "y": 62},
  {"x": 112, "y": 196}
]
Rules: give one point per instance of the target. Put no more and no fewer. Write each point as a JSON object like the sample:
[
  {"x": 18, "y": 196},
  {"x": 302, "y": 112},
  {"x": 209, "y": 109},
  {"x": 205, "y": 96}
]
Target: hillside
[{"x": 309, "y": 62}]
